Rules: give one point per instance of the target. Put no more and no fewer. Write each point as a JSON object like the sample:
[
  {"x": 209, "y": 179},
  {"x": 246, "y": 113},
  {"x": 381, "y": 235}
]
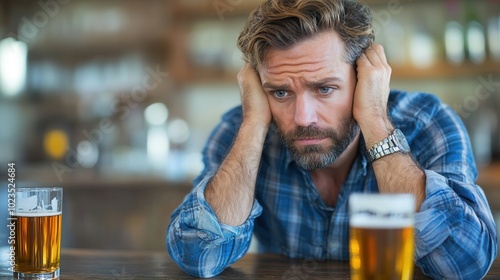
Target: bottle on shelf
[
  {"x": 494, "y": 37},
  {"x": 476, "y": 44},
  {"x": 454, "y": 41},
  {"x": 422, "y": 48},
  {"x": 475, "y": 35}
]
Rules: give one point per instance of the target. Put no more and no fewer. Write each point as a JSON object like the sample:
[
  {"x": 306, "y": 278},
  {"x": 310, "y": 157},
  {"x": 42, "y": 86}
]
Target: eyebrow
[
  {"x": 314, "y": 84},
  {"x": 322, "y": 82},
  {"x": 271, "y": 86}
]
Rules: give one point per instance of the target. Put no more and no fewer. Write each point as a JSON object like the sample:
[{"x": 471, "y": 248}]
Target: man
[{"x": 316, "y": 106}]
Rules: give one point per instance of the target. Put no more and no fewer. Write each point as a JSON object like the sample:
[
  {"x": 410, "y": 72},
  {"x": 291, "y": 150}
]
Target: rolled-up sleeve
[
  {"x": 455, "y": 232},
  {"x": 201, "y": 245}
]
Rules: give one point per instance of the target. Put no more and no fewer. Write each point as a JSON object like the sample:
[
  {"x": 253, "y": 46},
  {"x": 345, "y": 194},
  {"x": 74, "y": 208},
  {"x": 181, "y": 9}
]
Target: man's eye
[
  {"x": 325, "y": 90},
  {"x": 280, "y": 93}
]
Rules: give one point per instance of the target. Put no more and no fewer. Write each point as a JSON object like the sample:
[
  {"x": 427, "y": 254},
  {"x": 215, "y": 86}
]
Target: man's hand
[
  {"x": 371, "y": 95},
  {"x": 253, "y": 98},
  {"x": 370, "y": 111},
  {"x": 231, "y": 191}
]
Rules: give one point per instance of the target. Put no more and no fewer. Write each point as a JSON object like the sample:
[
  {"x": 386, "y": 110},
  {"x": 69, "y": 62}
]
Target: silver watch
[{"x": 396, "y": 142}]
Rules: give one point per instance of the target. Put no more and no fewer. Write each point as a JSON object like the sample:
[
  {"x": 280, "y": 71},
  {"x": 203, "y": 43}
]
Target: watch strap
[{"x": 387, "y": 146}]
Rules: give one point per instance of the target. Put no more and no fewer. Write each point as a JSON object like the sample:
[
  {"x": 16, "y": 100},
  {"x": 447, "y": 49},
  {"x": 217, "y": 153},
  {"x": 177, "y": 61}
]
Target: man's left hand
[{"x": 371, "y": 95}]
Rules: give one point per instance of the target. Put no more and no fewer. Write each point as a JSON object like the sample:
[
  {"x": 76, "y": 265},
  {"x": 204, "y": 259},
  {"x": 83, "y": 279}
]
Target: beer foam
[
  {"x": 367, "y": 221},
  {"x": 37, "y": 214},
  {"x": 379, "y": 203}
]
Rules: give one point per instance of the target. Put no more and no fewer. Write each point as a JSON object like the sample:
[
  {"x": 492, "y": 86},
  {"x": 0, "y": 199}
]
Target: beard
[{"x": 312, "y": 157}]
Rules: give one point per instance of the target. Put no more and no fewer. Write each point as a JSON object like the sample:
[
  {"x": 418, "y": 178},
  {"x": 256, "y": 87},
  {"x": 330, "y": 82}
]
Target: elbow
[
  {"x": 490, "y": 256},
  {"x": 472, "y": 270},
  {"x": 479, "y": 268},
  {"x": 194, "y": 264},
  {"x": 192, "y": 258},
  {"x": 464, "y": 265},
  {"x": 487, "y": 256}
]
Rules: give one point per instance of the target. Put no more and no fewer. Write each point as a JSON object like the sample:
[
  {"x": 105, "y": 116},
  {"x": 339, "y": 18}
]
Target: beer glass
[
  {"x": 381, "y": 238},
  {"x": 38, "y": 217}
]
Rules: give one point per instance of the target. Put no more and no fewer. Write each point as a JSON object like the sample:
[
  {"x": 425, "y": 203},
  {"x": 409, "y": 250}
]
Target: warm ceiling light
[{"x": 55, "y": 143}]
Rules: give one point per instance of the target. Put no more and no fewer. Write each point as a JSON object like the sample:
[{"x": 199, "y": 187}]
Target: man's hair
[{"x": 283, "y": 23}]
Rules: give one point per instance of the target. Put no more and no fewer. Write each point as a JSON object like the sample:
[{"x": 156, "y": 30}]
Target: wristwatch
[{"x": 396, "y": 142}]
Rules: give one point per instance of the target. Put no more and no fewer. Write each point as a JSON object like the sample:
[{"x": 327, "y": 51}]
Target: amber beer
[
  {"x": 38, "y": 229},
  {"x": 381, "y": 236},
  {"x": 40, "y": 253}
]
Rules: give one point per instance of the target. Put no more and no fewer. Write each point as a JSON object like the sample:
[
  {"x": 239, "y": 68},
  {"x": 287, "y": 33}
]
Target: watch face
[{"x": 403, "y": 144}]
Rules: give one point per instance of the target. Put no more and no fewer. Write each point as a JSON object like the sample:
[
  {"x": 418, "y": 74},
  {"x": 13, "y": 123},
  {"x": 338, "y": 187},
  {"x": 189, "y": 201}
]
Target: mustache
[{"x": 310, "y": 132}]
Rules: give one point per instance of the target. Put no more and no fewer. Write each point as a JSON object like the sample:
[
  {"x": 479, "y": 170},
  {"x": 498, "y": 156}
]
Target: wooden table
[{"x": 95, "y": 264}]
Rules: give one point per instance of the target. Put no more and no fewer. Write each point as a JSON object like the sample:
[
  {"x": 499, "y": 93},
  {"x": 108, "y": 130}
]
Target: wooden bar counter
[{"x": 96, "y": 264}]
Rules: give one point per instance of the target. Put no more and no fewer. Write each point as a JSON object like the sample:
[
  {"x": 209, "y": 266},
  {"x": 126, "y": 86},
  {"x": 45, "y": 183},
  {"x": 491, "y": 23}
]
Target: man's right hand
[
  {"x": 253, "y": 98},
  {"x": 231, "y": 191}
]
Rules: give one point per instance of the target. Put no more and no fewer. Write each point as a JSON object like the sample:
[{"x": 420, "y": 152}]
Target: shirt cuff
[
  {"x": 438, "y": 213},
  {"x": 199, "y": 215}
]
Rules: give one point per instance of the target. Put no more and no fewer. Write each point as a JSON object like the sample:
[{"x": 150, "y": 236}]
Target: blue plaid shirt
[{"x": 455, "y": 232}]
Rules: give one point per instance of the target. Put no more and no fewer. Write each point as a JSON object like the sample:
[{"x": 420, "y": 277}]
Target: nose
[{"x": 305, "y": 110}]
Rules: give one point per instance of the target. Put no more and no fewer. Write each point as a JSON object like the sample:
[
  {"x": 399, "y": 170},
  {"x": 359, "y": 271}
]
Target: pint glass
[
  {"x": 38, "y": 214},
  {"x": 381, "y": 240}
]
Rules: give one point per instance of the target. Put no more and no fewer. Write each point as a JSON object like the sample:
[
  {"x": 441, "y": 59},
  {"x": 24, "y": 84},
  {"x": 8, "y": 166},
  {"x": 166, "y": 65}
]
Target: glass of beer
[
  {"x": 38, "y": 217},
  {"x": 381, "y": 237}
]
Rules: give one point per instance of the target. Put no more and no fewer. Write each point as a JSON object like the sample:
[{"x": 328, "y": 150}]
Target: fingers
[
  {"x": 253, "y": 98},
  {"x": 248, "y": 72},
  {"x": 375, "y": 55}
]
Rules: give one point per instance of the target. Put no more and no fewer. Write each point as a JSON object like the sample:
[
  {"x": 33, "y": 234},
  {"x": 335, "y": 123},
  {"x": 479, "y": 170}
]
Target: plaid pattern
[{"x": 455, "y": 232}]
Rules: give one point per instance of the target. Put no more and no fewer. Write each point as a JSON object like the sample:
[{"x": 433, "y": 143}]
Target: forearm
[
  {"x": 398, "y": 173},
  {"x": 395, "y": 173},
  {"x": 231, "y": 191}
]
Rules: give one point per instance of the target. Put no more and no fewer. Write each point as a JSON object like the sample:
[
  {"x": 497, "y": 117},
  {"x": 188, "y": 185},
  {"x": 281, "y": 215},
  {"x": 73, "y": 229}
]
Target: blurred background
[{"x": 114, "y": 99}]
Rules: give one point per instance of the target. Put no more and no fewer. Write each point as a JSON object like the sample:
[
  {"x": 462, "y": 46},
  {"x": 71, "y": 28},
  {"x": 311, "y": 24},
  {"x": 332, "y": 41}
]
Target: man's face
[{"x": 310, "y": 91}]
